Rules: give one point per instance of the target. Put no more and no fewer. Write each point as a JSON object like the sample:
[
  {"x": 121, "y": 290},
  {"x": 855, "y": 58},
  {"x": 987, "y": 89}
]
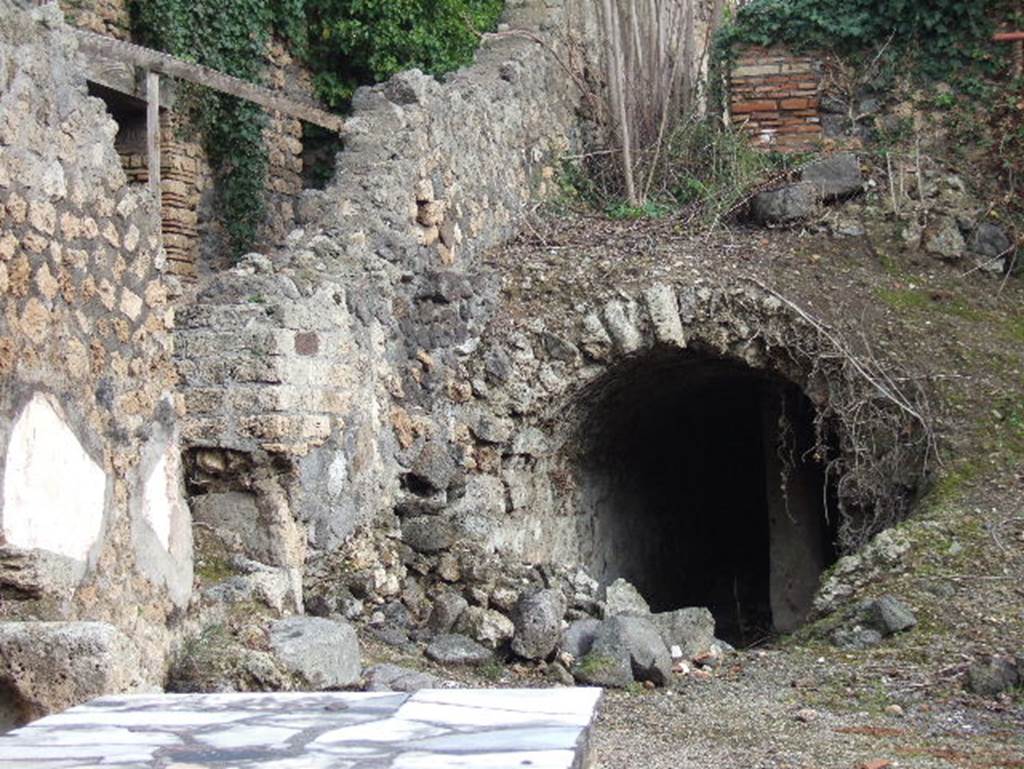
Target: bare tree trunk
[
  {"x": 649, "y": 58},
  {"x": 617, "y": 92}
]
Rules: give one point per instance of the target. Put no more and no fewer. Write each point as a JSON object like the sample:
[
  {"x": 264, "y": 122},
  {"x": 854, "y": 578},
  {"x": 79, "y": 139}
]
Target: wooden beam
[
  {"x": 165, "y": 64},
  {"x": 153, "y": 132},
  {"x": 1008, "y": 37}
]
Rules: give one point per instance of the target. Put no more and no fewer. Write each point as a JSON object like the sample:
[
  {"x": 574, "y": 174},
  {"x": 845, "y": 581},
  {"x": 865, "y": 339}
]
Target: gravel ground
[{"x": 749, "y": 717}]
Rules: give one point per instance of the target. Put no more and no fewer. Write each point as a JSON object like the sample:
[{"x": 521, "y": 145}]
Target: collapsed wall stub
[
  {"x": 95, "y": 526},
  {"x": 336, "y": 357}
]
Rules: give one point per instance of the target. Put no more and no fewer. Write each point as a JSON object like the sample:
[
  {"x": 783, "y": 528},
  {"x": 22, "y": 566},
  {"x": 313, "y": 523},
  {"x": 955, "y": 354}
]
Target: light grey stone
[
  {"x": 625, "y": 649},
  {"x": 836, "y": 176},
  {"x": 856, "y": 637},
  {"x": 538, "y": 624},
  {"x": 691, "y": 629},
  {"x": 456, "y": 649},
  {"x": 620, "y": 321},
  {"x": 50, "y": 666},
  {"x": 394, "y": 678},
  {"x": 622, "y": 598},
  {"x": 943, "y": 239},
  {"x": 325, "y": 653},
  {"x": 887, "y": 615},
  {"x": 663, "y": 309},
  {"x": 787, "y": 205},
  {"x": 489, "y": 627}
]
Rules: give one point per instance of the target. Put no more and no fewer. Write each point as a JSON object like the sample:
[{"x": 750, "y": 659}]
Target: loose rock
[
  {"x": 622, "y": 598},
  {"x": 795, "y": 203},
  {"x": 626, "y": 649},
  {"x": 394, "y": 678},
  {"x": 691, "y": 629},
  {"x": 322, "y": 652},
  {"x": 455, "y": 649},
  {"x": 887, "y": 615},
  {"x": 835, "y": 177},
  {"x": 489, "y": 627},
  {"x": 538, "y": 624}
]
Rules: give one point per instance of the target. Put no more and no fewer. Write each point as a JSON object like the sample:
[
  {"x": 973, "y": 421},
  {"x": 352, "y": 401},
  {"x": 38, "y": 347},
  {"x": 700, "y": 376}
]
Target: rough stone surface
[
  {"x": 445, "y": 612},
  {"x": 428, "y": 534},
  {"x": 836, "y": 176},
  {"x": 887, "y": 615},
  {"x": 394, "y": 678},
  {"x": 455, "y": 649},
  {"x": 788, "y": 205},
  {"x": 323, "y": 652},
  {"x": 86, "y": 327},
  {"x": 489, "y": 627},
  {"x": 943, "y": 239},
  {"x": 47, "y": 667},
  {"x": 993, "y": 676},
  {"x": 538, "y": 624},
  {"x": 691, "y": 629},
  {"x": 625, "y": 649},
  {"x": 622, "y": 598},
  {"x": 579, "y": 637}
]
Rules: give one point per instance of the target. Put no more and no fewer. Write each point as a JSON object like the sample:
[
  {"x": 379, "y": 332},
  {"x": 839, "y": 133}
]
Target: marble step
[{"x": 430, "y": 729}]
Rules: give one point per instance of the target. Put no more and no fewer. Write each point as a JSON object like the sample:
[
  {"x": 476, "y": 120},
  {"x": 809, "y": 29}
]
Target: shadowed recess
[{"x": 702, "y": 485}]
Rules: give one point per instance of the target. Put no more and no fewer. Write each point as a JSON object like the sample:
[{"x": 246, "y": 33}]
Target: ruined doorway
[{"x": 703, "y": 484}]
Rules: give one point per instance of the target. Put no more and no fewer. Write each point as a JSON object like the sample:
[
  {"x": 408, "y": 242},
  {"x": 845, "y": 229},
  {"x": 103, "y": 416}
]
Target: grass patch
[
  {"x": 924, "y": 301},
  {"x": 595, "y": 664},
  {"x": 492, "y": 670}
]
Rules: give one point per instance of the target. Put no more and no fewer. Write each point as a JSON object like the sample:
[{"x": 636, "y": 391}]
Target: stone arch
[{"x": 754, "y": 362}]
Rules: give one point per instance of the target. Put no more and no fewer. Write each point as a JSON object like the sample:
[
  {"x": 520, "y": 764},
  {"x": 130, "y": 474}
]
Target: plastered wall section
[{"x": 94, "y": 524}]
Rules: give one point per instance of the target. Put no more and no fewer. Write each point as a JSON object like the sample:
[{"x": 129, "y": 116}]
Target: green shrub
[{"x": 355, "y": 42}]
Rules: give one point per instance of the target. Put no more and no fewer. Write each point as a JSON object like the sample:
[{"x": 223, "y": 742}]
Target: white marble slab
[{"x": 431, "y": 729}]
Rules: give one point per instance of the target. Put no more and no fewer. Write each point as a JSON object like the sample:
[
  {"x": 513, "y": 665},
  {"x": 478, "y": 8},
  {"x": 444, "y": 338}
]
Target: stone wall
[
  {"x": 774, "y": 95},
  {"x": 104, "y": 17},
  {"x": 334, "y": 365},
  {"x": 94, "y": 522}
]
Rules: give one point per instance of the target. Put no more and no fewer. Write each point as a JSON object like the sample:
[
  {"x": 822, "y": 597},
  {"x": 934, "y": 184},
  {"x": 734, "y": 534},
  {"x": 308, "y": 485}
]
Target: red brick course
[{"x": 774, "y": 96}]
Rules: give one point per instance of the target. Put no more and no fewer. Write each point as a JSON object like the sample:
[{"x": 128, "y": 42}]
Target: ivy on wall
[
  {"x": 231, "y": 37},
  {"x": 938, "y": 35},
  {"x": 346, "y": 43}
]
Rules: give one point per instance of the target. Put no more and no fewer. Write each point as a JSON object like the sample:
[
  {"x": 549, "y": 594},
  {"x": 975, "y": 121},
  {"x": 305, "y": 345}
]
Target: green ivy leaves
[
  {"x": 937, "y": 34},
  {"x": 356, "y": 42}
]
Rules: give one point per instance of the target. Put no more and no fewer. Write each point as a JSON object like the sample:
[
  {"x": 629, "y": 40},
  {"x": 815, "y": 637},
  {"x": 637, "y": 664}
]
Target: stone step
[{"x": 433, "y": 728}]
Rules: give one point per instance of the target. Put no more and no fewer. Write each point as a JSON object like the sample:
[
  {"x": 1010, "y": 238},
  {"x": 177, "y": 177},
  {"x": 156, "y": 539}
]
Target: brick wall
[
  {"x": 190, "y": 230},
  {"x": 774, "y": 96}
]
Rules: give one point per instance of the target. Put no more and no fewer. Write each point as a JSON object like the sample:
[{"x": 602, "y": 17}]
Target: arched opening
[{"x": 703, "y": 484}]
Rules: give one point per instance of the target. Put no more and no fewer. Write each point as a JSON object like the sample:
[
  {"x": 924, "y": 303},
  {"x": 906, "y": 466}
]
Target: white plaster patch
[
  {"x": 161, "y": 498},
  {"x": 337, "y": 475},
  {"x": 53, "y": 491}
]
